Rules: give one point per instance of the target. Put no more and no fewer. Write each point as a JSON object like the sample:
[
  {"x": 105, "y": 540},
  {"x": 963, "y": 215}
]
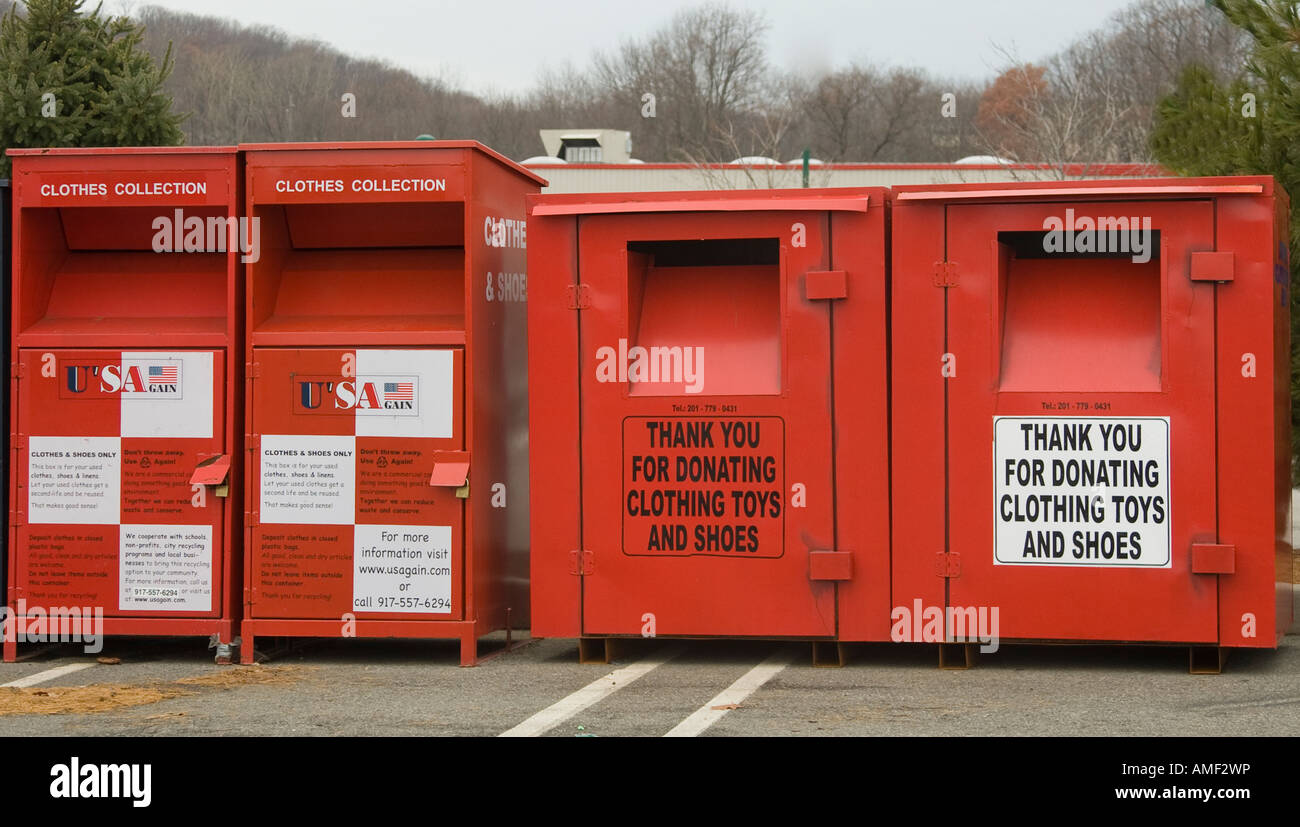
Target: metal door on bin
[
  {"x": 1081, "y": 389},
  {"x": 706, "y": 445},
  {"x": 346, "y": 519},
  {"x": 106, "y": 515}
]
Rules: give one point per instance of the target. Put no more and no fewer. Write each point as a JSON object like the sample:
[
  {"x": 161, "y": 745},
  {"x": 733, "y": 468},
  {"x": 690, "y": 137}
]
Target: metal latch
[
  {"x": 826, "y": 284},
  {"x": 214, "y": 471},
  {"x": 1212, "y": 266},
  {"x": 451, "y": 470},
  {"x": 1213, "y": 558},
  {"x": 830, "y": 565}
]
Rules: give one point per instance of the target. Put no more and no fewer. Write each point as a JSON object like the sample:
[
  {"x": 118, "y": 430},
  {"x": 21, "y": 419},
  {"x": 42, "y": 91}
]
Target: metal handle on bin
[
  {"x": 451, "y": 470},
  {"x": 213, "y": 470}
]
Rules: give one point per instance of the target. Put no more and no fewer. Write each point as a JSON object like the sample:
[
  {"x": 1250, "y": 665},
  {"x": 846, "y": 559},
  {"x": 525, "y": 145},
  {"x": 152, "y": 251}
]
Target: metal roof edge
[
  {"x": 345, "y": 146},
  {"x": 840, "y": 199}
]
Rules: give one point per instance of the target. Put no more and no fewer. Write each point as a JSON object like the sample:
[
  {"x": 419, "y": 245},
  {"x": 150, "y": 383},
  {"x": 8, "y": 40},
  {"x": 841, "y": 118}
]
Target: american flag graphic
[
  {"x": 163, "y": 374},
  {"x": 399, "y": 391}
]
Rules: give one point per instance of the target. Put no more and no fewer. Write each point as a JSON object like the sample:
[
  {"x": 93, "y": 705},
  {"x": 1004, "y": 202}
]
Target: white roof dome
[{"x": 983, "y": 159}]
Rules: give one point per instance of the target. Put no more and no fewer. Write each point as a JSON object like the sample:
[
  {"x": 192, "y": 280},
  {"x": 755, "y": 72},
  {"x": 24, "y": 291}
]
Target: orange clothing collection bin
[
  {"x": 125, "y": 386},
  {"x": 1040, "y": 411},
  {"x": 719, "y": 361},
  {"x": 1089, "y": 439},
  {"x": 1109, "y": 435},
  {"x": 386, "y": 409}
]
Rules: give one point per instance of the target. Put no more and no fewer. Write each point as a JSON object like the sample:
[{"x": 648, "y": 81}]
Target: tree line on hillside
[
  {"x": 716, "y": 93},
  {"x": 702, "y": 88}
]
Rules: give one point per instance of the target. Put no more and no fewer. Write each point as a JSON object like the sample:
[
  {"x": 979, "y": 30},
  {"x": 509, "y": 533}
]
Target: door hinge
[
  {"x": 947, "y": 564},
  {"x": 18, "y": 369},
  {"x": 1212, "y": 266},
  {"x": 17, "y": 516},
  {"x": 253, "y": 370},
  {"x": 250, "y": 519},
  {"x": 1213, "y": 558},
  {"x": 581, "y": 563},
  {"x": 945, "y": 274},
  {"x": 579, "y": 296}
]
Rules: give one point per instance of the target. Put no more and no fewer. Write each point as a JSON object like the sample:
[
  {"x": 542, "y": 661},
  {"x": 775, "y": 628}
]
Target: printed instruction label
[
  {"x": 156, "y": 482},
  {"x": 308, "y": 479},
  {"x": 75, "y": 480},
  {"x": 402, "y": 568},
  {"x": 165, "y": 567},
  {"x": 703, "y": 485},
  {"x": 1081, "y": 491},
  {"x": 70, "y": 566}
]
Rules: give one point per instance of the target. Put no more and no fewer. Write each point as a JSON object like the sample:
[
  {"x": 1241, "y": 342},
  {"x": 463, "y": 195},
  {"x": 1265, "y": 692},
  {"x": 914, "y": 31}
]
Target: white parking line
[
  {"x": 731, "y": 697},
  {"x": 49, "y": 674},
  {"x": 565, "y": 708}
]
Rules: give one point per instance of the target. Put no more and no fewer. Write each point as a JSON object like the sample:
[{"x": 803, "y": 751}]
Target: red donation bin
[
  {"x": 1091, "y": 409},
  {"x": 124, "y": 393},
  {"x": 387, "y": 484},
  {"x": 708, "y": 431}
]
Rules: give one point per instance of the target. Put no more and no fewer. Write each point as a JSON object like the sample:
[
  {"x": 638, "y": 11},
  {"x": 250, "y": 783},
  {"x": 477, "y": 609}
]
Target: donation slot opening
[
  {"x": 704, "y": 317},
  {"x": 360, "y": 267},
  {"x": 124, "y": 270},
  {"x": 1073, "y": 318}
]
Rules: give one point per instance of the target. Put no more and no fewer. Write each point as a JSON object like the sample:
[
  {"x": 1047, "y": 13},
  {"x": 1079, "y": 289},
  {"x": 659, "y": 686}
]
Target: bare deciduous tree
[
  {"x": 1094, "y": 101},
  {"x": 706, "y": 68},
  {"x": 715, "y": 95}
]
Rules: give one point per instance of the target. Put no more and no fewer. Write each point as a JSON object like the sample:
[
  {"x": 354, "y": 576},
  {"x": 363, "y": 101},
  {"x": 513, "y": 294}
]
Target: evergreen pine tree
[
  {"x": 74, "y": 78},
  {"x": 1249, "y": 126}
]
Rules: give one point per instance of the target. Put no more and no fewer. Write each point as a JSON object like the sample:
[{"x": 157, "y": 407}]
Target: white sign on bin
[{"x": 1081, "y": 491}]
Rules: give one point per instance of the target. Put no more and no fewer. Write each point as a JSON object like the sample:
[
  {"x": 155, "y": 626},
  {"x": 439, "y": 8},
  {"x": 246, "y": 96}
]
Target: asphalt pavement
[{"x": 652, "y": 688}]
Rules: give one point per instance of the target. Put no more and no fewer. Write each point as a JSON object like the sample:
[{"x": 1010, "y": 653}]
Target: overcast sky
[{"x": 484, "y": 45}]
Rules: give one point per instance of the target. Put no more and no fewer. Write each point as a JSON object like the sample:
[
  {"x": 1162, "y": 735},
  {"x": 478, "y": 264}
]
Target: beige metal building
[{"x": 644, "y": 177}]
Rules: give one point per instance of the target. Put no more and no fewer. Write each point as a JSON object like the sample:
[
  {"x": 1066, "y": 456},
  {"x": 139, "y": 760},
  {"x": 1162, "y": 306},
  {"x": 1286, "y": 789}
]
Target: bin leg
[
  {"x": 246, "y": 653},
  {"x": 468, "y": 649},
  {"x": 828, "y": 653},
  {"x": 1206, "y": 660},
  {"x": 956, "y": 655},
  {"x": 595, "y": 650}
]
